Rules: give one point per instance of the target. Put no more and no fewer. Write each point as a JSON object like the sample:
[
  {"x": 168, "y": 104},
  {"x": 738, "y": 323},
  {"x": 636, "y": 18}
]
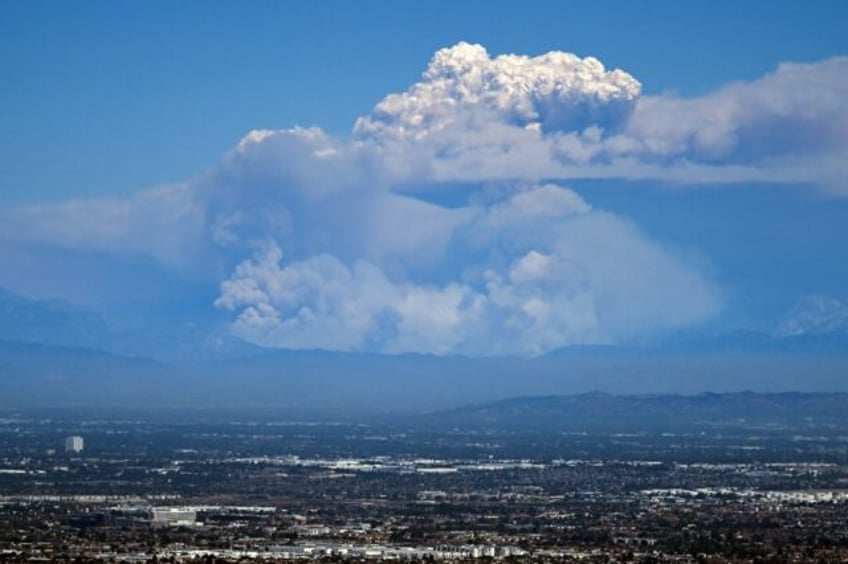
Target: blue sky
[{"x": 702, "y": 188}]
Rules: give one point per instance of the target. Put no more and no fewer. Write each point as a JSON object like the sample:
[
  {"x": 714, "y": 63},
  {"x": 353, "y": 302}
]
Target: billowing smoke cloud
[
  {"x": 322, "y": 242},
  {"x": 536, "y": 271},
  {"x": 559, "y": 116},
  {"x": 554, "y": 92},
  {"x": 791, "y": 125}
]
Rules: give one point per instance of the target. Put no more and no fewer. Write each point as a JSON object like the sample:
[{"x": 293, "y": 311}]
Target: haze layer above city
[{"x": 384, "y": 205}]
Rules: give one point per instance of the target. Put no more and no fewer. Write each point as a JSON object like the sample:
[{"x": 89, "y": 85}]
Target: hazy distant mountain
[
  {"x": 344, "y": 382},
  {"x": 642, "y": 412},
  {"x": 190, "y": 331},
  {"x": 835, "y": 342},
  {"x": 50, "y": 322},
  {"x": 33, "y": 374},
  {"x": 77, "y": 355}
]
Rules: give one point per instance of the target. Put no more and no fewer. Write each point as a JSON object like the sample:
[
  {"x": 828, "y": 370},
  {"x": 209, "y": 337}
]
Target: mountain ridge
[
  {"x": 38, "y": 374},
  {"x": 598, "y": 410}
]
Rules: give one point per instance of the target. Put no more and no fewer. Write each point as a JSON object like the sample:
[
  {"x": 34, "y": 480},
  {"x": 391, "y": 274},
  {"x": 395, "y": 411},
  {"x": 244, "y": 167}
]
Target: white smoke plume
[
  {"x": 474, "y": 117},
  {"x": 553, "y": 92},
  {"x": 539, "y": 270},
  {"x": 324, "y": 242}
]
